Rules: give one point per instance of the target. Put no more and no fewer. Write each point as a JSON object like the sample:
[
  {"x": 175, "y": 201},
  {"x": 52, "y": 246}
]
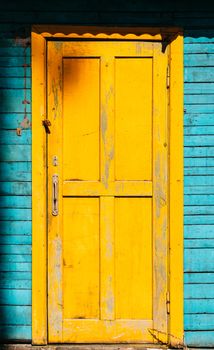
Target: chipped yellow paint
[
  {"x": 39, "y": 274},
  {"x": 111, "y": 134},
  {"x": 55, "y": 242},
  {"x": 176, "y": 192},
  {"x": 109, "y": 243}
]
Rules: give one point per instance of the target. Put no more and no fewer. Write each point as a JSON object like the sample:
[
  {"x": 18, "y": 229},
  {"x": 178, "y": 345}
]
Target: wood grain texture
[
  {"x": 199, "y": 52},
  {"x": 199, "y": 221},
  {"x": 15, "y": 185}
]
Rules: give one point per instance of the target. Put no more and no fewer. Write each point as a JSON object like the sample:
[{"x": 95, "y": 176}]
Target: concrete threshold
[{"x": 86, "y": 347}]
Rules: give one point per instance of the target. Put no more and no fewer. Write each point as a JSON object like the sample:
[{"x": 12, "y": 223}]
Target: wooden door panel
[
  {"x": 81, "y": 257},
  {"x": 107, "y": 105},
  {"x": 81, "y": 118},
  {"x": 133, "y": 258},
  {"x": 133, "y": 118}
]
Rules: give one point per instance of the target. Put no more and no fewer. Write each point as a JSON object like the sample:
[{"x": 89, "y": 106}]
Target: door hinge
[
  {"x": 168, "y": 76},
  {"x": 168, "y": 302}
]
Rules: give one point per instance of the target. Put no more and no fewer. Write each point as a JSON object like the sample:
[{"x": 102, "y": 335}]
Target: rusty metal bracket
[{"x": 46, "y": 123}]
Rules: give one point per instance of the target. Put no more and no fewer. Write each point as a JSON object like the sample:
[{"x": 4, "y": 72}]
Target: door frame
[{"x": 168, "y": 36}]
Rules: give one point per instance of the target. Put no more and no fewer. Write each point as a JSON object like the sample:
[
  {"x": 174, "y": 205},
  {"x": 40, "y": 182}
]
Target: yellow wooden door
[{"x": 107, "y": 192}]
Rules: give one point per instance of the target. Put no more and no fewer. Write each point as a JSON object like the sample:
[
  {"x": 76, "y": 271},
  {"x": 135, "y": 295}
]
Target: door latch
[
  {"x": 55, "y": 195},
  {"x": 46, "y": 123}
]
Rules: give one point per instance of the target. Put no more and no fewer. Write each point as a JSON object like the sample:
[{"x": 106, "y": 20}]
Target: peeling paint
[
  {"x": 55, "y": 93},
  {"x": 58, "y": 45},
  {"x": 23, "y": 42},
  {"x": 25, "y": 123}
]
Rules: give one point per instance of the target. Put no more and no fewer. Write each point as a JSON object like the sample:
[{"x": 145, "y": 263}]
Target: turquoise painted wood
[
  {"x": 15, "y": 258},
  {"x": 14, "y": 333},
  {"x": 16, "y": 228},
  {"x": 15, "y": 315},
  {"x": 199, "y": 189},
  {"x": 15, "y": 184}
]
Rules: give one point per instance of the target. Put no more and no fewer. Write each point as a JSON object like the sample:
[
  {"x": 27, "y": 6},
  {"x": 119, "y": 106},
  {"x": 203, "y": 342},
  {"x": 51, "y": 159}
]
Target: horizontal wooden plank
[
  {"x": 197, "y": 338},
  {"x": 199, "y": 277},
  {"x": 15, "y": 51},
  {"x": 198, "y": 231},
  {"x": 16, "y": 228},
  {"x": 198, "y": 151},
  {"x": 15, "y": 297},
  {"x": 198, "y": 120},
  {"x": 199, "y": 130},
  {"x": 14, "y": 61},
  {"x": 117, "y": 6},
  {"x": 16, "y": 188},
  {"x": 15, "y": 83},
  {"x": 15, "y": 214},
  {"x": 16, "y": 258},
  {"x": 15, "y": 239},
  {"x": 15, "y": 40},
  {"x": 107, "y": 17},
  {"x": 198, "y": 219},
  {"x": 15, "y": 284},
  {"x": 199, "y": 322},
  {"x": 199, "y": 108},
  {"x": 198, "y": 162},
  {"x": 199, "y": 180},
  {"x": 10, "y": 333},
  {"x": 199, "y": 210},
  {"x": 199, "y": 306},
  {"x": 198, "y": 260},
  {"x": 199, "y": 291},
  {"x": 20, "y": 153},
  {"x": 15, "y": 249},
  {"x": 15, "y": 201},
  {"x": 15, "y": 266},
  {"x": 199, "y": 243},
  {"x": 199, "y": 190},
  {"x": 10, "y": 137},
  {"x": 199, "y": 170},
  {"x": 15, "y": 100},
  {"x": 198, "y": 140},
  {"x": 199, "y": 60},
  {"x": 15, "y": 171},
  {"x": 198, "y": 48},
  {"x": 15, "y": 72},
  {"x": 198, "y": 88},
  {"x": 199, "y": 74},
  {"x": 11, "y": 121},
  {"x": 199, "y": 199},
  {"x": 15, "y": 315},
  {"x": 197, "y": 99},
  {"x": 15, "y": 276},
  {"x": 81, "y": 5}
]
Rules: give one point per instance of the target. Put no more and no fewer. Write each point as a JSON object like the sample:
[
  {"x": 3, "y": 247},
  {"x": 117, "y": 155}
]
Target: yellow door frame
[{"x": 170, "y": 36}]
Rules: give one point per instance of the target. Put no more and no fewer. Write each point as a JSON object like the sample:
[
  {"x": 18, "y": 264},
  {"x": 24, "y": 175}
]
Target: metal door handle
[{"x": 55, "y": 195}]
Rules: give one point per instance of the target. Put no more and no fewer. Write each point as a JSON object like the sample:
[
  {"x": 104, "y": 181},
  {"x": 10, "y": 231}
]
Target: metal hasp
[
  {"x": 46, "y": 123},
  {"x": 55, "y": 192}
]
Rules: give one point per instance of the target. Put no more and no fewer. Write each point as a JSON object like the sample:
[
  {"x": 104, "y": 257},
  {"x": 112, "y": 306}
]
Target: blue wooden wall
[
  {"x": 15, "y": 151},
  {"x": 199, "y": 187},
  {"x": 15, "y": 183}
]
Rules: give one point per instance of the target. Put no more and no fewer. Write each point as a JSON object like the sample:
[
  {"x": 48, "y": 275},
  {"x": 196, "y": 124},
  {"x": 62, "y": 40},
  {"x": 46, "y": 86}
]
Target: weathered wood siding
[
  {"x": 199, "y": 187},
  {"x": 15, "y": 183},
  {"x": 15, "y": 165}
]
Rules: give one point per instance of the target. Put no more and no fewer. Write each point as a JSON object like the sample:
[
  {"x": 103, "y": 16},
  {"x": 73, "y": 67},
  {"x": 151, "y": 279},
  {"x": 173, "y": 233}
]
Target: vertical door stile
[
  {"x": 160, "y": 195},
  {"x": 107, "y": 310},
  {"x": 55, "y": 316}
]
